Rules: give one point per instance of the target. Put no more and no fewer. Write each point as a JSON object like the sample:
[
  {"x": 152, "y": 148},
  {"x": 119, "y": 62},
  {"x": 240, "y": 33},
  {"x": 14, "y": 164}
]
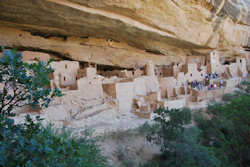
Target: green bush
[
  {"x": 227, "y": 133},
  {"x": 23, "y": 83},
  {"x": 179, "y": 144},
  {"x": 32, "y": 145}
]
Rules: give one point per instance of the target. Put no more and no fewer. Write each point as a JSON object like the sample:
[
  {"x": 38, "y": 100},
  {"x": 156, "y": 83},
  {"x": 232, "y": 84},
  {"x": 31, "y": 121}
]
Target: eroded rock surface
[{"x": 124, "y": 32}]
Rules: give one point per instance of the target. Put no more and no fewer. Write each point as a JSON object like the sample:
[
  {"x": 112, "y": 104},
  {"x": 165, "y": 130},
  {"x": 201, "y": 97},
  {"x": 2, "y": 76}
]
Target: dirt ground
[{"x": 127, "y": 148}]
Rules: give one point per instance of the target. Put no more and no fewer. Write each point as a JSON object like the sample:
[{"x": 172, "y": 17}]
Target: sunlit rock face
[
  {"x": 239, "y": 10},
  {"x": 125, "y": 32}
]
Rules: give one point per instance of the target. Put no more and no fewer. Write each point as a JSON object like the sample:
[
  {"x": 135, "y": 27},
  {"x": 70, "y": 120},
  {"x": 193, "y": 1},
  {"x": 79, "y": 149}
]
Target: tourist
[
  {"x": 206, "y": 76},
  {"x": 213, "y": 76},
  {"x": 193, "y": 84},
  {"x": 212, "y": 86},
  {"x": 221, "y": 83},
  {"x": 209, "y": 76},
  {"x": 199, "y": 86}
]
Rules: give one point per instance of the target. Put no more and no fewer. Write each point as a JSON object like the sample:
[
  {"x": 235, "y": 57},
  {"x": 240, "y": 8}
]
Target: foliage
[
  {"x": 228, "y": 131},
  {"x": 24, "y": 83},
  {"x": 124, "y": 157},
  {"x": 179, "y": 144},
  {"x": 245, "y": 85},
  {"x": 32, "y": 145},
  {"x": 169, "y": 127}
]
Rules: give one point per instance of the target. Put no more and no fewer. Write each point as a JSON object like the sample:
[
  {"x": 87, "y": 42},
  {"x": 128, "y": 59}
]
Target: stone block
[
  {"x": 153, "y": 106},
  {"x": 138, "y": 73},
  {"x": 124, "y": 96},
  {"x": 151, "y": 97},
  {"x": 150, "y": 69},
  {"x": 182, "y": 90},
  {"x": 125, "y": 74},
  {"x": 145, "y": 109},
  {"x": 65, "y": 73},
  {"x": 175, "y": 104},
  {"x": 140, "y": 86},
  {"x": 110, "y": 89},
  {"x": 242, "y": 66},
  {"x": 198, "y": 96},
  {"x": 152, "y": 84},
  {"x": 90, "y": 88},
  {"x": 81, "y": 73},
  {"x": 160, "y": 104},
  {"x": 143, "y": 115},
  {"x": 31, "y": 56},
  {"x": 91, "y": 72}
]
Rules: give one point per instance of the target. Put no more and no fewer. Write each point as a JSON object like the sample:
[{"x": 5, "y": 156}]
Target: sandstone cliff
[{"x": 126, "y": 32}]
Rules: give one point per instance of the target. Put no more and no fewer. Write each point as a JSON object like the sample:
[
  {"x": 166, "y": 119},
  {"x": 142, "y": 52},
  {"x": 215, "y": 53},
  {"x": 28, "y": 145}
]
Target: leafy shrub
[
  {"x": 32, "y": 145},
  {"x": 24, "y": 83},
  {"x": 227, "y": 133},
  {"x": 179, "y": 144}
]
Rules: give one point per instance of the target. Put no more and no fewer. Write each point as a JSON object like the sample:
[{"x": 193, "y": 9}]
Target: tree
[
  {"x": 227, "y": 131},
  {"x": 31, "y": 144},
  {"x": 24, "y": 83},
  {"x": 179, "y": 143}
]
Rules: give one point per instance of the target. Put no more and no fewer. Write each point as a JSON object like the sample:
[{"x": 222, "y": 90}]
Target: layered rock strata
[{"x": 125, "y": 33}]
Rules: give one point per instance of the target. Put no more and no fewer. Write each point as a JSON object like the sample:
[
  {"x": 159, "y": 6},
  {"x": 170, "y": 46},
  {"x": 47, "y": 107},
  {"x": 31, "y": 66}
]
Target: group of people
[
  {"x": 197, "y": 84},
  {"x": 209, "y": 76},
  {"x": 214, "y": 85}
]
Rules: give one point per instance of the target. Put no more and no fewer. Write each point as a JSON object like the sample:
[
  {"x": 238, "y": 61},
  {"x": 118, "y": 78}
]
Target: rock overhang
[{"x": 165, "y": 28}]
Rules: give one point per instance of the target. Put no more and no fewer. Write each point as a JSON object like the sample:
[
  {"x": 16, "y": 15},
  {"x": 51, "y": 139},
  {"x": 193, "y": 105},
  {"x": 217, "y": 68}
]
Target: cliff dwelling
[
  {"x": 116, "y": 58},
  {"x": 93, "y": 88}
]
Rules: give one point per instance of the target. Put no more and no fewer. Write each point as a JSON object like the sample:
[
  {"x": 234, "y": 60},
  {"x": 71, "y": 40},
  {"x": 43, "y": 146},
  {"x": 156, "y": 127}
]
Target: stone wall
[{"x": 65, "y": 73}]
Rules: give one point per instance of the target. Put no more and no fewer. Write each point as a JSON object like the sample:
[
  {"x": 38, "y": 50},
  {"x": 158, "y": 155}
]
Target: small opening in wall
[
  {"x": 240, "y": 61},
  {"x": 202, "y": 75},
  {"x": 64, "y": 78},
  {"x": 66, "y": 66},
  {"x": 191, "y": 75},
  {"x": 226, "y": 63}
]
